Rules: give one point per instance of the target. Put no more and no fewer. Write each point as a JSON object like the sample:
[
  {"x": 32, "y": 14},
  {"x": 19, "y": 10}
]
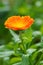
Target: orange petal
[{"x": 18, "y": 23}]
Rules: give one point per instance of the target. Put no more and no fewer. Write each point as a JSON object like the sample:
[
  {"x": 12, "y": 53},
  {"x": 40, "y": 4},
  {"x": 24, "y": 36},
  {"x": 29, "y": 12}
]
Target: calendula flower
[{"x": 18, "y": 23}]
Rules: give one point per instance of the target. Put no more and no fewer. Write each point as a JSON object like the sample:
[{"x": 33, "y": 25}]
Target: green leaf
[
  {"x": 17, "y": 63},
  {"x": 15, "y": 60},
  {"x": 27, "y": 36},
  {"x": 38, "y": 45},
  {"x": 41, "y": 62},
  {"x": 15, "y": 36},
  {"x": 25, "y": 60}
]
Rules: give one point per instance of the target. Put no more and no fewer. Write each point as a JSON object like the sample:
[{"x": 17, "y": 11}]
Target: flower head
[{"x": 18, "y": 23}]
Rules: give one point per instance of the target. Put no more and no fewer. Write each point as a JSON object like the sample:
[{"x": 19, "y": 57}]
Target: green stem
[{"x": 23, "y": 44}]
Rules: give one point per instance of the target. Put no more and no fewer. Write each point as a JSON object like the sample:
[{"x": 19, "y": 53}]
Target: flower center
[{"x": 18, "y": 24}]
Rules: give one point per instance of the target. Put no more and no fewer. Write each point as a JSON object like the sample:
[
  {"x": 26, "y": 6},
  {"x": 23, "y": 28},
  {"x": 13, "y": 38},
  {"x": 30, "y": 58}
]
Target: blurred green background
[{"x": 32, "y": 8}]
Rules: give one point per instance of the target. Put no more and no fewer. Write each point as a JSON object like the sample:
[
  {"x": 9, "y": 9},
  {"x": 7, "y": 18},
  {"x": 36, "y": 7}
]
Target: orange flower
[{"x": 18, "y": 23}]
